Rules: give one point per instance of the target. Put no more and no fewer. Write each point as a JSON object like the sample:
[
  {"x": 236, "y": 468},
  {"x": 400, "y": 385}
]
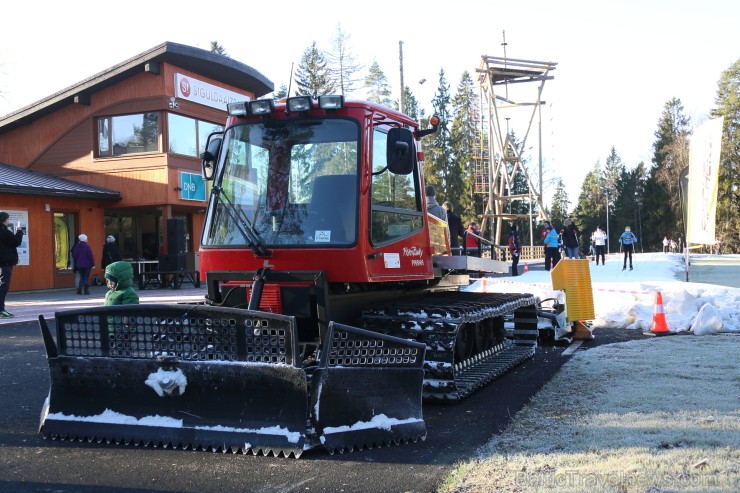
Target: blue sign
[{"x": 193, "y": 186}]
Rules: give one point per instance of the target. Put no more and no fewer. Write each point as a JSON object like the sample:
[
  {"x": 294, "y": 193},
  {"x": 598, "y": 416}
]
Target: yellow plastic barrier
[
  {"x": 439, "y": 235},
  {"x": 574, "y": 278}
]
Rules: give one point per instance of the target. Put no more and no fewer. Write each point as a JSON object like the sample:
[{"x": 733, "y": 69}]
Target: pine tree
[
  {"x": 312, "y": 76},
  {"x": 728, "y": 192},
  {"x": 670, "y": 157},
  {"x": 625, "y": 208},
  {"x": 217, "y": 48},
  {"x": 640, "y": 177},
  {"x": 609, "y": 190},
  {"x": 379, "y": 91},
  {"x": 560, "y": 203},
  {"x": 591, "y": 208},
  {"x": 342, "y": 63},
  {"x": 412, "y": 105},
  {"x": 438, "y": 151},
  {"x": 613, "y": 169},
  {"x": 460, "y": 186},
  {"x": 281, "y": 93}
]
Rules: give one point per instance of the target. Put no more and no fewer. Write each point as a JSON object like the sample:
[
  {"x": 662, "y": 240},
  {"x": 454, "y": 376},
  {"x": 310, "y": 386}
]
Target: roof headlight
[
  {"x": 237, "y": 109},
  {"x": 299, "y": 103},
  {"x": 261, "y": 106},
  {"x": 331, "y": 102}
]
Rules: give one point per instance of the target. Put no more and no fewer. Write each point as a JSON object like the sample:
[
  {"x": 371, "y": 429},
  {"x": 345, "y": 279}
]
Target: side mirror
[
  {"x": 210, "y": 156},
  {"x": 401, "y": 151}
]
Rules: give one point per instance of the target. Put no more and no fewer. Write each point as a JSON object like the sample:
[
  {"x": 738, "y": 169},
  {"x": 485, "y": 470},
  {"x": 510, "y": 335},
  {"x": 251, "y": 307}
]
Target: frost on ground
[{"x": 606, "y": 424}]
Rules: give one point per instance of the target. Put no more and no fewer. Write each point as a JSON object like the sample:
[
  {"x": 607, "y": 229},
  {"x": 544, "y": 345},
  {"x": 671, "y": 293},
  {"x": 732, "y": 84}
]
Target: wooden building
[{"x": 124, "y": 145}]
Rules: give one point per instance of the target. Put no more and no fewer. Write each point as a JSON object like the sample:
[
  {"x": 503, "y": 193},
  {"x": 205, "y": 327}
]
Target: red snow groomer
[{"x": 333, "y": 308}]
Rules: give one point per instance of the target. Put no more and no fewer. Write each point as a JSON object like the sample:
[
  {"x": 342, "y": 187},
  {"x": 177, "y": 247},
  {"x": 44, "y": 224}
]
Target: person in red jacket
[
  {"x": 545, "y": 229},
  {"x": 472, "y": 244}
]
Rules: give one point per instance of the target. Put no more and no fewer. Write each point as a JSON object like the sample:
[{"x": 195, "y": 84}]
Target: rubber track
[{"x": 435, "y": 320}]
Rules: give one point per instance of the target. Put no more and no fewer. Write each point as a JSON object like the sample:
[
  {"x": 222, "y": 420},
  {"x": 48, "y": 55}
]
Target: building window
[
  {"x": 128, "y": 134},
  {"x": 188, "y": 136}
]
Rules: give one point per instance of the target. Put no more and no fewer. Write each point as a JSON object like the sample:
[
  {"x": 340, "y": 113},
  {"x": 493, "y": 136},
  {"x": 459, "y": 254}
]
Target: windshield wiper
[{"x": 243, "y": 224}]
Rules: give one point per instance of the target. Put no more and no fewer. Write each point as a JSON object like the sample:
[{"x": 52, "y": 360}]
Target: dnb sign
[{"x": 193, "y": 187}]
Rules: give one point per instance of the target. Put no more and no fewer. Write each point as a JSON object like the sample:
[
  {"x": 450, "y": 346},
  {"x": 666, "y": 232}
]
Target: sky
[
  {"x": 618, "y": 62},
  {"x": 627, "y": 299}
]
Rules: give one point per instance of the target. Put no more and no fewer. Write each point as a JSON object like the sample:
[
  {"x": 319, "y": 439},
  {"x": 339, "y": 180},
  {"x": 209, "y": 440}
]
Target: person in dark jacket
[
  {"x": 571, "y": 236},
  {"x": 514, "y": 249},
  {"x": 110, "y": 252},
  {"x": 84, "y": 262},
  {"x": 454, "y": 223},
  {"x": 9, "y": 243},
  {"x": 119, "y": 278}
]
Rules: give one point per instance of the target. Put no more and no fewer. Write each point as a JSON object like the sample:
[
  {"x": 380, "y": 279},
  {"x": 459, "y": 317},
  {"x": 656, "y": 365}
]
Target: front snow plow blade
[
  {"x": 367, "y": 390},
  {"x": 185, "y": 376}
]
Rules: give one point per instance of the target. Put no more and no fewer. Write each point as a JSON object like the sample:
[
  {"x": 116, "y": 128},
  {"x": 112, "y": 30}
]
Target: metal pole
[
  {"x": 607, "y": 223},
  {"x": 542, "y": 200},
  {"x": 531, "y": 224},
  {"x": 400, "y": 58}
]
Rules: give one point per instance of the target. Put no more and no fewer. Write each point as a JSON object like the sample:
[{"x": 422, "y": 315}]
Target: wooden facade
[
  {"x": 58, "y": 136},
  {"x": 41, "y": 272}
]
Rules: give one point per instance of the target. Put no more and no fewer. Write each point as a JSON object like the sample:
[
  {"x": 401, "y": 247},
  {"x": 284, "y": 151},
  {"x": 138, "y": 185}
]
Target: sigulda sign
[{"x": 200, "y": 92}]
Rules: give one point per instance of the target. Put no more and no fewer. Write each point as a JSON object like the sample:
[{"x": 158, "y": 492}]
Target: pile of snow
[{"x": 627, "y": 299}]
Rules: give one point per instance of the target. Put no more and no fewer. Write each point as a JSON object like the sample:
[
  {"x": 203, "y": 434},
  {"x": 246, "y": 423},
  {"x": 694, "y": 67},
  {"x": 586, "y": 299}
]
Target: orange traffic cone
[
  {"x": 485, "y": 285},
  {"x": 526, "y": 267},
  {"x": 659, "y": 323}
]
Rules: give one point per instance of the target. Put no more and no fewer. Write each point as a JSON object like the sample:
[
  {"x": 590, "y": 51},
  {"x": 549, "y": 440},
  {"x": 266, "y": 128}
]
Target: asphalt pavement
[{"x": 30, "y": 464}]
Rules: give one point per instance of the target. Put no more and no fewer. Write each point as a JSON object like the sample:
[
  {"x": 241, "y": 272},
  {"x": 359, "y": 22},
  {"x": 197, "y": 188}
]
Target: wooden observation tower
[{"x": 498, "y": 161}]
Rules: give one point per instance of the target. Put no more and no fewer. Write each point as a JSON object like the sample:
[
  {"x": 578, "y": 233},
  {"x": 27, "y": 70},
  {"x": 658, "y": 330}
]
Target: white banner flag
[{"x": 703, "y": 172}]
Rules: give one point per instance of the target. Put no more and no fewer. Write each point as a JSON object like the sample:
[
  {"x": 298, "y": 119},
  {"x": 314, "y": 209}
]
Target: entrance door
[{"x": 65, "y": 232}]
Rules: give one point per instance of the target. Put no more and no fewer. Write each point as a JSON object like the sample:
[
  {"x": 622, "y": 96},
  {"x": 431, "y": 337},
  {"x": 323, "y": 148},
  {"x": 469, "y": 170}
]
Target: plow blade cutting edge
[
  {"x": 367, "y": 390},
  {"x": 186, "y": 376}
]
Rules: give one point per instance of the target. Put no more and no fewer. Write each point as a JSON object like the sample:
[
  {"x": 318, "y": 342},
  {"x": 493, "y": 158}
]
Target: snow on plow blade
[
  {"x": 367, "y": 390},
  {"x": 188, "y": 376}
]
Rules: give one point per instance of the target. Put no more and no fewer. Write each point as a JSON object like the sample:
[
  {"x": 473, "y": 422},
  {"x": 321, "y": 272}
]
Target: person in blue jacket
[
  {"x": 627, "y": 240},
  {"x": 552, "y": 247}
]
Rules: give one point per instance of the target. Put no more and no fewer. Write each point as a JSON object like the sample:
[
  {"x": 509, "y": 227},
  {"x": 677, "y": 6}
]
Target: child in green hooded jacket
[{"x": 119, "y": 277}]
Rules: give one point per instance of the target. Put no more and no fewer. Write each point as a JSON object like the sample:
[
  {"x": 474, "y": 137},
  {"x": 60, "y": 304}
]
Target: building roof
[
  {"x": 24, "y": 182},
  {"x": 214, "y": 65}
]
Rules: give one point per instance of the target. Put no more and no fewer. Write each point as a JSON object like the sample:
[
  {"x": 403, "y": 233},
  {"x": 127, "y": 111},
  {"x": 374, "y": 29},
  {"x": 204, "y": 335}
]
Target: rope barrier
[{"x": 543, "y": 285}]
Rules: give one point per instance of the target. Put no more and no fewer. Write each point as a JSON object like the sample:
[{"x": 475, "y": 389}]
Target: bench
[{"x": 168, "y": 278}]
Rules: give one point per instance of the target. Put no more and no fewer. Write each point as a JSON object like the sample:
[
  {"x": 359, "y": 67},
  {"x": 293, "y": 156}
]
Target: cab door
[{"x": 399, "y": 240}]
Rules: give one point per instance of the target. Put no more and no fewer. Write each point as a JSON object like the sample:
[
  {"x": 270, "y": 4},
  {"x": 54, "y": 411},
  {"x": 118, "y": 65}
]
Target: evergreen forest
[{"x": 648, "y": 197}]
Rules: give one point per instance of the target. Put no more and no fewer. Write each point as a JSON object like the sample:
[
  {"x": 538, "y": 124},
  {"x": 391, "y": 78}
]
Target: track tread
[{"x": 435, "y": 320}]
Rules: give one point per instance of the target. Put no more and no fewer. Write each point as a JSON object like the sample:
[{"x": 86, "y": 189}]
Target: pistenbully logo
[{"x": 412, "y": 251}]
